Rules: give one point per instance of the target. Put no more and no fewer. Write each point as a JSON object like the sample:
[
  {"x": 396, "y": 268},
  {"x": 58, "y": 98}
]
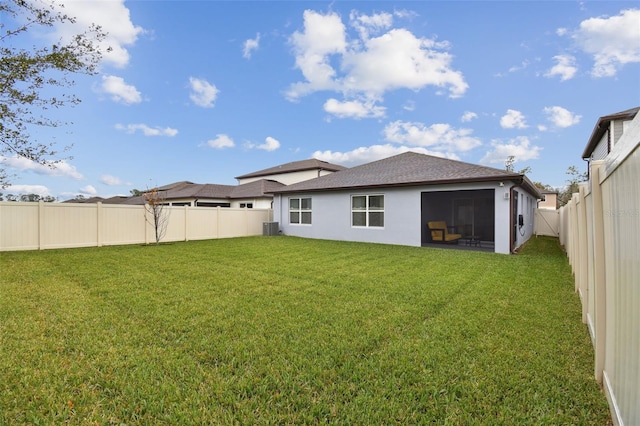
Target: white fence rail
[
  {"x": 600, "y": 230},
  {"x": 37, "y": 226}
]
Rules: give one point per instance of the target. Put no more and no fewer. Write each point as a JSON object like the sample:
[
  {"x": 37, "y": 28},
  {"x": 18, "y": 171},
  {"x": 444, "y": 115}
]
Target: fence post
[
  {"x": 40, "y": 224},
  {"x": 583, "y": 262},
  {"x": 218, "y": 222},
  {"x": 599, "y": 271},
  {"x": 146, "y": 223},
  {"x": 99, "y": 224},
  {"x": 186, "y": 222}
]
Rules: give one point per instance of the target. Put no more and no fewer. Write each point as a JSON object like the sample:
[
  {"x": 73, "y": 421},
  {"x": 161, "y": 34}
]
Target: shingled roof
[
  {"x": 187, "y": 190},
  {"x": 407, "y": 169},
  {"x": 295, "y": 166},
  {"x": 255, "y": 189}
]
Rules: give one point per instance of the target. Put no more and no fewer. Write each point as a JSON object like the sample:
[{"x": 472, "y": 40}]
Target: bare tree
[
  {"x": 510, "y": 161},
  {"x": 154, "y": 206}
]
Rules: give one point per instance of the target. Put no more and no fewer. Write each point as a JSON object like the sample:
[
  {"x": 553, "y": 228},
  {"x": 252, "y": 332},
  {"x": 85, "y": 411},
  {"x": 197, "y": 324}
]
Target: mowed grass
[{"x": 281, "y": 330}]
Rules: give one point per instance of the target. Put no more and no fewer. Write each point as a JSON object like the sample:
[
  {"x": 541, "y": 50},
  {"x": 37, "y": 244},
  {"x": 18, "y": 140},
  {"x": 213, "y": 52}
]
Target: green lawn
[{"x": 282, "y": 330}]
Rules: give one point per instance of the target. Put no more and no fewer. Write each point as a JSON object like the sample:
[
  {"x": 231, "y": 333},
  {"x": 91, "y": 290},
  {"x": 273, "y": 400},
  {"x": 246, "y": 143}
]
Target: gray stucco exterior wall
[{"x": 331, "y": 215}]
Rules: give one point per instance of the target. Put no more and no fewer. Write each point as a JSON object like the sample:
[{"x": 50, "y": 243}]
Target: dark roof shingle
[
  {"x": 405, "y": 169},
  {"x": 295, "y": 166}
]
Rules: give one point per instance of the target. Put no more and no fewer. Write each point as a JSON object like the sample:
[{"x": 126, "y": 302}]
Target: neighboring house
[
  {"x": 607, "y": 133},
  {"x": 254, "y": 190},
  {"x": 391, "y": 200},
  {"x": 255, "y": 194},
  {"x": 294, "y": 172},
  {"x": 117, "y": 199},
  {"x": 549, "y": 200}
]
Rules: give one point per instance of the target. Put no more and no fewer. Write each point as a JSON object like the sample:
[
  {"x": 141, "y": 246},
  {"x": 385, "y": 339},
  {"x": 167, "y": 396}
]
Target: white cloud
[
  {"x": 612, "y": 41},
  {"x": 323, "y": 35},
  {"x": 119, "y": 90},
  {"x": 367, "y": 24},
  {"x": 203, "y": 93},
  {"x": 88, "y": 190},
  {"x": 513, "y": 119},
  {"x": 221, "y": 141},
  {"x": 520, "y": 148},
  {"x": 250, "y": 45},
  {"x": 561, "y": 117},
  {"x": 409, "y": 106},
  {"x": 468, "y": 116},
  {"x": 523, "y": 65},
  {"x": 398, "y": 59},
  {"x": 111, "y": 180},
  {"x": 372, "y": 153},
  {"x": 562, "y": 31},
  {"x": 440, "y": 137},
  {"x": 270, "y": 144},
  {"x": 372, "y": 66},
  {"x": 61, "y": 169},
  {"x": 115, "y": 20},
  {"x": 353, "y": 109},
  {"x": 565, "y": 67},
  {"x": 40, "y": 190},
  {"x": 146, "y": 130}
]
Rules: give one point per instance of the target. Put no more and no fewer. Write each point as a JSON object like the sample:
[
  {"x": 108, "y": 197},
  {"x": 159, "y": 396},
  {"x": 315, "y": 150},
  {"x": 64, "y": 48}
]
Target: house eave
[
  {"x": 516, "y": 178},
  {"x": 601, "y": 127}
]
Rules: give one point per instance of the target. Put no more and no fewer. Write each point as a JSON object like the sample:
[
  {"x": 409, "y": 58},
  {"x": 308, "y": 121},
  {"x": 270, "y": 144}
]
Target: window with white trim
[
  {"x": 300, "y": 211},
  {"x": 367, "y": 211}
]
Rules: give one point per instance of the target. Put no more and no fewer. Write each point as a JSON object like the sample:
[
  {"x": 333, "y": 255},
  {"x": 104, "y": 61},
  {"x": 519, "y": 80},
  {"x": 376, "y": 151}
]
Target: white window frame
[
  {"x": 367, "y": 210},
  {"x": 300, "y": 211}
]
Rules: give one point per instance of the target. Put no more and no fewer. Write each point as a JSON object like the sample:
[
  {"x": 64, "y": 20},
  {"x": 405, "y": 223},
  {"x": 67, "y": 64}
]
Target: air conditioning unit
[
  {"x": 506, "y": 195},
  {"x": 269, "y": 228}
]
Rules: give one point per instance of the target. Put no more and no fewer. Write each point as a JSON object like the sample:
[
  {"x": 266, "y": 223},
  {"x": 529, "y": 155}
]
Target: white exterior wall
[
  {"x": 331, "y": 215},
  {"x": 526, "y": 208},
  {"x": 258, "y": 203},
  {"x": 289, "y": 178},
  {"x": 502, "y": 219}
]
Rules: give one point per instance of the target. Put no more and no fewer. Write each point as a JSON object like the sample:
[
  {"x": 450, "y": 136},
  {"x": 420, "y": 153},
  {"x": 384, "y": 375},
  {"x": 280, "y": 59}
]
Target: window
[
  {"x": 367, "y": 210},
  {"x": 205, "y": 204},
  {"x": 300, "y": 211},
  {"x": 246, "y": 205}
]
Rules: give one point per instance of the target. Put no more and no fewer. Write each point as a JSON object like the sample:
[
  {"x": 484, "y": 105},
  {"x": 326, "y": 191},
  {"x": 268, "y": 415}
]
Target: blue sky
[{"x": 208, "y": 90}]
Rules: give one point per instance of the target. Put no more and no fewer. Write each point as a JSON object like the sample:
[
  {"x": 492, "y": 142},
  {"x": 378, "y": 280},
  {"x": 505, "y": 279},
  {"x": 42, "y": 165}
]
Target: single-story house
[
  {"x": 392, "y": 200},
  {"x": 255, "y": 194},
  {"x": 116, "y": 199}
]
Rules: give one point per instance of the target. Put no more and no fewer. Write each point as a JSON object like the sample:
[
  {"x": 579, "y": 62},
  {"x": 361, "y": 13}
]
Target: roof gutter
[{"x": 513, "y": 177}]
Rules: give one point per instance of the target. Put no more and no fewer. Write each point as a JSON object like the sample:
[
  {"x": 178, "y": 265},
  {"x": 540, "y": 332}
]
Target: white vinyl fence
[
  {"x": 600, "y": 230},
  {"x": 37, "y": 226},
  {"x": 547, "y": 222}
]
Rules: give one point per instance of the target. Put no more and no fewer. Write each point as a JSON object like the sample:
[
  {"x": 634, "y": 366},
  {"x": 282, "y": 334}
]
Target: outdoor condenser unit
[{"x": 269, "y": 228}]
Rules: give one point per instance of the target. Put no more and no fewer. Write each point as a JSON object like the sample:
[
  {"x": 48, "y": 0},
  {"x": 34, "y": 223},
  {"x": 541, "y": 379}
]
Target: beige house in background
[{"x": 549, "y": 200}]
